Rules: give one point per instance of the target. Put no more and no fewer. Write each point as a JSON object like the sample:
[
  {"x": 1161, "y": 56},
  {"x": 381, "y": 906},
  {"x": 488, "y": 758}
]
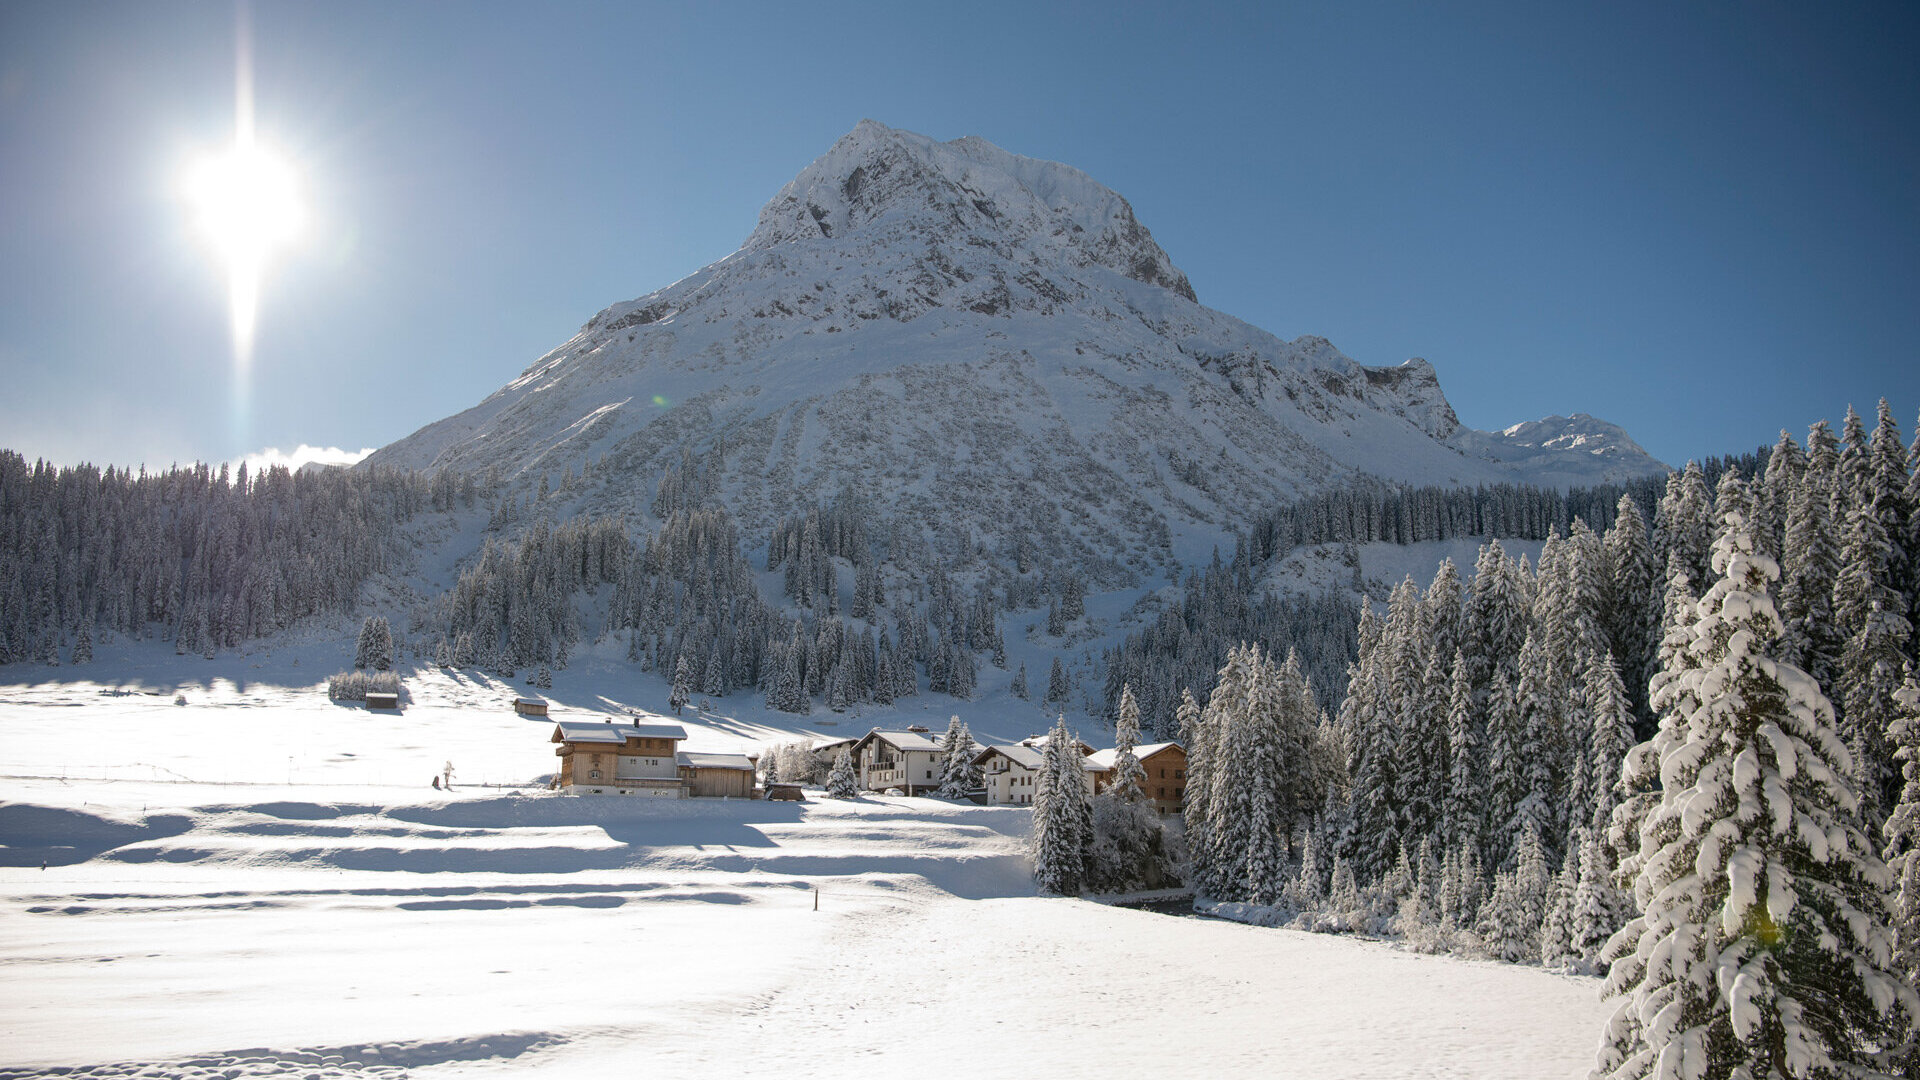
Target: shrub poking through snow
[{"x": 356, "y": 685}]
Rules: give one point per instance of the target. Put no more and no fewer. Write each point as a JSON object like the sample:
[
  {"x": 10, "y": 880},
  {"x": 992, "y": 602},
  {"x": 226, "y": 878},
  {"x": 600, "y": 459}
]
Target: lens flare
[
  {"x": 246, "y": 204},
  {"x": 248, "y": 208}
]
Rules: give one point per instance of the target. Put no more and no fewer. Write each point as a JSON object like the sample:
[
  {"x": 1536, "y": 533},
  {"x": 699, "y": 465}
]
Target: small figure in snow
[{"x": 436, "y": 783}]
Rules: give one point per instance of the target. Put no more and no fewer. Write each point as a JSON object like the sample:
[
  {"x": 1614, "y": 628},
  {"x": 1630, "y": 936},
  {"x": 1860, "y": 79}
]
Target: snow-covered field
[{"x": 260, "y": 882}]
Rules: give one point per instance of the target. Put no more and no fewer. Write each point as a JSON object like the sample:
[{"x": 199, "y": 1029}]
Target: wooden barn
[
  {"x": 714, "y": 776},
  {"x": 528, "y": 706},
  {"x": 379, "y": 700}
]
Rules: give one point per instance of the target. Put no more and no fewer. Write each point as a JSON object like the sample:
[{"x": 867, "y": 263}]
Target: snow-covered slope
[{"x": 953, "y": 330}]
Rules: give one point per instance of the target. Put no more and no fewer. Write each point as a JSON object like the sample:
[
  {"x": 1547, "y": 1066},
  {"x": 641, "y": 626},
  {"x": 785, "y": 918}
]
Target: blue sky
[{"x": 1699, "y": 221}]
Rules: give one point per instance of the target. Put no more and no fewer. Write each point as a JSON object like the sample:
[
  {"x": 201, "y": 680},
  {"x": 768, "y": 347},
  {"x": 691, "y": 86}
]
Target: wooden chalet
[
  {"x": 828, "y": 751},
  {"x": 379, "y": 700},
  {"x": 909, "y": 760},
  {"x": 620, "y": 759},
  {"x": 1165, "y": 765},
  {"x": 527, "y": 706},
  {"x": 1012, "y": 773}
]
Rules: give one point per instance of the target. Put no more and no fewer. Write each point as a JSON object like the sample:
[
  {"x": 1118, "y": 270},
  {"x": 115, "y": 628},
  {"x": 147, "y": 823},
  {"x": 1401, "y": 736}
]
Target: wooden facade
[
  {"x": 716, "y": 776},
  {"x": 529, "y": 706},
  {"x": 1165, "y": 765},
  {"x": 619, "y": 759}
]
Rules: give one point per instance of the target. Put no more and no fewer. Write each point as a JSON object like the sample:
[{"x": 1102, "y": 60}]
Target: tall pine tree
[{"x": 1761, "y": 950}]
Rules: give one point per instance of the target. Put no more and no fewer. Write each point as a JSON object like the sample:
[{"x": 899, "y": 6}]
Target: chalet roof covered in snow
[
  {"x": 590, "y": 732},
  {"x": 1028, "y": 757},
  {"x": 688, "y": 760},
  {"x": 1102, "y": 760},
  {"x": 903, "y": 740},
  {"x": 1039, "y": 742}
]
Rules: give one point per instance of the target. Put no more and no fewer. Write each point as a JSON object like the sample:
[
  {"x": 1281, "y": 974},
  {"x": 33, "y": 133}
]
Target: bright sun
[{"x": 247, "y": 206}]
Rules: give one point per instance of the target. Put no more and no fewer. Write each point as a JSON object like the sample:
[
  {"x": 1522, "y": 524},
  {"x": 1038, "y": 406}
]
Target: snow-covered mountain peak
[
  {"x": 1561, "y": 450},
  {"x": 911, "y": 192},
  {"x": 985, "y": 344}
]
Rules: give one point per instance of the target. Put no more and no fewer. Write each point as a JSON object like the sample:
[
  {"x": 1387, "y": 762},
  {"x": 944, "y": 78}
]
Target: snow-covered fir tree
[
  {"x": 1902, "y": 851},
  {"x": 1253, "y": 777},
  {"x": 1607, "y": 748},
  {"x": 1599, "y": 907},
  {"x": 1867, "y": 613},
  {"x": 842, "y": 781},
  {"x": 1556, "y": 927},
  {"x": 1810, "y": 563},
  {"x": 682, "y": 691},
  {"x": 1308, "y": 890},
  {"x": 1632, "y": 601},
  {"x": 1762, "y": 947},
  {"x": 374, "y": 649},
  {"x": 1062, "y": 816},
  {"x": 1127, "y": 776},
  {"x": 1463, "y": 816},
  {"x": 1502, "y": 922},
  {"x": 1129, "y": 847},
  {"x": 959, "y": 776}
]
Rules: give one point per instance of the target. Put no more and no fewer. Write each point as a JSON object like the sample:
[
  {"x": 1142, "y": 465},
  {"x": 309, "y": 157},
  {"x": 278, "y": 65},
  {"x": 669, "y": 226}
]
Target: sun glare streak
[{"x": 247, "y": 205}]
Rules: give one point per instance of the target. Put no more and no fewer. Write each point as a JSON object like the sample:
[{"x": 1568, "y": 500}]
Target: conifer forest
[{"x": 1696, "y": 708}]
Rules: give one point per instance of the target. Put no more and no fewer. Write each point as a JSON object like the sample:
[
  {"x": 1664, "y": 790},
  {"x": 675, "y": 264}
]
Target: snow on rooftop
[
  {"x": 906, "y": 740},
  {"x": 1102, "y": 760},
  {"x": 713, "y": 761},
  {"x": 602, "y": 732}
]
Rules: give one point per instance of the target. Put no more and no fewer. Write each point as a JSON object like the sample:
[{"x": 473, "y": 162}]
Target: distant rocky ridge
[{"x": 990, "y": 344}]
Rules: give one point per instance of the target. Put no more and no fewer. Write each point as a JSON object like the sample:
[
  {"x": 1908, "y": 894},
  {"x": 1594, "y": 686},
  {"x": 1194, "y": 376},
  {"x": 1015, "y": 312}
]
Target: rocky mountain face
[{"x": 988, "y": 344}]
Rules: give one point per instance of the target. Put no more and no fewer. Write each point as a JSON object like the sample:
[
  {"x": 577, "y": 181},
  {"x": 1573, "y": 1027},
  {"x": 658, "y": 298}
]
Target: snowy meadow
[{"x": 204, "y": 913}]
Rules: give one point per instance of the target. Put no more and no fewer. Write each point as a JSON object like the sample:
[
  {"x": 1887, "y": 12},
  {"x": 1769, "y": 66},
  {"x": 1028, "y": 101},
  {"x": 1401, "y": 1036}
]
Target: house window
[
  {"x": 929, "y": 774},
  {"x": 594, "y": 775},
  {"x": 1163, "y": 774},
  {"x": 1179, "y": 774}
]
